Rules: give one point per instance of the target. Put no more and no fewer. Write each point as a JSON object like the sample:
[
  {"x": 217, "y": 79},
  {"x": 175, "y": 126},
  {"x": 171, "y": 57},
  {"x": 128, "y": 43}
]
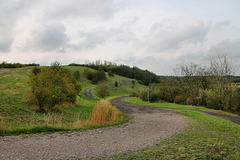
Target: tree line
[
  {"x": 201, "y": 86},
  {"x": 16, "y": 65},
  {"x": 143, "y": 76}
]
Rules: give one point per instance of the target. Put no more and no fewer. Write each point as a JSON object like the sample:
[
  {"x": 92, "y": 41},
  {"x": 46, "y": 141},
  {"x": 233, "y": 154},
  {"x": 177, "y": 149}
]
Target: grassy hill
[{"x": 17, "y": 116}]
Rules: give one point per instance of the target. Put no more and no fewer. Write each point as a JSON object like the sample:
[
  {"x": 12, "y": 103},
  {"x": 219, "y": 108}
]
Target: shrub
[
  {"x": 89, "y": 74},
  {"x": 133, "y": 83},
  {"x": 134, "y": 94},
  {"x": 180, "y": 99},
  {"x": 213, "y": 99},
  {"x": 100, "y": 75},
  {"x": 94, "y": 76},
  {"x": 76, "y": 75},
  {"x": 103, "y": 91},
  {"x": 110, "y": 74},
  {"x": 116, "y": 84},
  {"x": 52, "y": 86}
]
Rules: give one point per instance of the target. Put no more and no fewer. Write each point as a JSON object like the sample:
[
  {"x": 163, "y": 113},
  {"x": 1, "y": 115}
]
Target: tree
[{"x": 221, "y": 71}]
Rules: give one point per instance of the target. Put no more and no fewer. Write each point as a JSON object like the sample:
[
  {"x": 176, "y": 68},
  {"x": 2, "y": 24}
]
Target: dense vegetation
[
  {"x": 95, "y": 76},
  {"x": 16, "y": 65},
  {"x": 143, "y": 76},
  {"x": 211, "y": 87},
  {"x": 50, "y": 87}
]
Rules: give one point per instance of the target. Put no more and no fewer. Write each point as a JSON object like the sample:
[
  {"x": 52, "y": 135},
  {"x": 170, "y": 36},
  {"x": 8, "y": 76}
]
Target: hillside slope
[{"x": 17, "y": 116}]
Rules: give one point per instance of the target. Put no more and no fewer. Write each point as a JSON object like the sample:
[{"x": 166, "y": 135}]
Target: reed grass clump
[{"x": 105, "y": 113}]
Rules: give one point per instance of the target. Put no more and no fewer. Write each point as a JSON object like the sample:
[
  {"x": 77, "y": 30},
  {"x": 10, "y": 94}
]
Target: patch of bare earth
[{"x": 146, "y": 127}]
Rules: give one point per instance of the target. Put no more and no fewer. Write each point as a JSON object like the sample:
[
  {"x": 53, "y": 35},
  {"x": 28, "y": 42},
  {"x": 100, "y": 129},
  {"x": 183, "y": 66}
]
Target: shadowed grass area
[{"x": 206, "y": 137}]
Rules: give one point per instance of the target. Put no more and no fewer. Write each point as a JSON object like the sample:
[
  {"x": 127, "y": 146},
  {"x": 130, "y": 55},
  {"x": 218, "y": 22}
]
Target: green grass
[
  {"x": 138, "y": 101},
  {"x": 206, "y": 137},
  {"x": 17, "y": 116},
  {"x": 124, "y": 87}
]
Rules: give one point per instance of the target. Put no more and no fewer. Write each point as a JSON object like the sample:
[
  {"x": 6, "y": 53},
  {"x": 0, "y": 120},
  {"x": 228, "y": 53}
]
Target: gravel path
[
  {"x": 88, "y": 92},
  {"x": 4, "y": 70},
  {"x": 146, "y": 127}
]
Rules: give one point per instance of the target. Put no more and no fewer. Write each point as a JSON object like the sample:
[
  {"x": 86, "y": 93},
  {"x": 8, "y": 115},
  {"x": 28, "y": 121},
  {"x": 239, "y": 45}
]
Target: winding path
[{"x": 146, "y": 127}]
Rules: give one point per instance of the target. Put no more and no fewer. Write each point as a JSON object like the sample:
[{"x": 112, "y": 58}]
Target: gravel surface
[
  {"x": 146, "y": 127},
  {"x": 4, "y": 70},
  {"x": 88, "y": 92}
]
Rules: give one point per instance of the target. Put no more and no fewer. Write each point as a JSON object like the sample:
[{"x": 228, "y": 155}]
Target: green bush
[
  {"x": 76, "y": 75},
  {"x": 180, "y": 99},
  {"x": 116, "y": 84},
  {"x": 52, "y": 86},
  {"x": 94, "y": 76},
  {"x": 110, "y": 74},
  {"x": 103, "y": 91},
  {"x": 213, "y": 99},
  {"x": 89, "y": 74}
]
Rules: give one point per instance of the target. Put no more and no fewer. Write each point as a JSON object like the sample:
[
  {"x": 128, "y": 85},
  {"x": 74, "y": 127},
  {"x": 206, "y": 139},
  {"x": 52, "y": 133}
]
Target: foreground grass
[
  {"x": 138, "y": 101},
  {"x": 206, "y": 137}
]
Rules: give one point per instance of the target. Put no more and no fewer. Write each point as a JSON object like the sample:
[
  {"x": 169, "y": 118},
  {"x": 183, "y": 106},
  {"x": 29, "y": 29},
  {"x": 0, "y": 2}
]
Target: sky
[{"x": 152, "y": 34}]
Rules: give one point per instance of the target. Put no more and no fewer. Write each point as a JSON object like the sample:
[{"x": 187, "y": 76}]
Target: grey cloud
[
  {"x": 221, "y": 24},
  {"x": 48, "y": 38},
  {"x": 5, "y": 45},
  {"x": 162, "y": 39},
  {"x": 230, "y": 47},
  {"x": 99, "y": 36},
  {"x": 11, "y": 12},
  {"x": 155, "y": 64},
  {"x": 123, "y": 33},
  {"x": 6, "y": 37},
  {"x": 92, "y": 39},
  {"x": 80, "y": 8}
]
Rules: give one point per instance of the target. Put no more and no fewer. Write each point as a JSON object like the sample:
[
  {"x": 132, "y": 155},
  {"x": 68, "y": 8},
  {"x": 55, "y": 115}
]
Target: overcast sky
[{"x": 151, "y": 34}]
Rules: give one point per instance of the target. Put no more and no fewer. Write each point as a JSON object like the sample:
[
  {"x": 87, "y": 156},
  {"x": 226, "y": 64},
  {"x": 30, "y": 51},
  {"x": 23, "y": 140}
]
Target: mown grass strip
[
  {"x": 206, "y": 137},
  {"x": 171, "y": 105}
]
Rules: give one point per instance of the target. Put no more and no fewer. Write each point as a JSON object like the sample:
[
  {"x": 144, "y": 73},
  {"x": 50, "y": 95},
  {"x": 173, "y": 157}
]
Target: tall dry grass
[{"x": 105, "y": 113}]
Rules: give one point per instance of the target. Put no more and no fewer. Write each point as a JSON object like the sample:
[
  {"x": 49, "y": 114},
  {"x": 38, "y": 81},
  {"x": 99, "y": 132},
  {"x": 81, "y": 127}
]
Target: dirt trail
[{"x": 146, "y": 127}]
